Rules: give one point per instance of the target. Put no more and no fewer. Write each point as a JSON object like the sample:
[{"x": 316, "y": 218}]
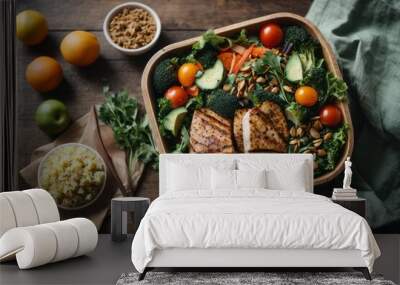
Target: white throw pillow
[
  {"x": 251, "y": 178},
  {"x": 290, "y": 176},
  {"x": 225, "y": 179},
  {"x": 187, "y": 176},
  {"x": 291, "y": 179}
]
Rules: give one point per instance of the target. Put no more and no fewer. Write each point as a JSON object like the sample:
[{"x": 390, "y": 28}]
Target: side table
[
  {"x": 119, "y": 209},
  {"x": 357, "y": 205}
]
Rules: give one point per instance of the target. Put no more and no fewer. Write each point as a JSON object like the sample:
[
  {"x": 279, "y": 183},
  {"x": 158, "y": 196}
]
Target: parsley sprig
[{"x": 131, "y": 129}]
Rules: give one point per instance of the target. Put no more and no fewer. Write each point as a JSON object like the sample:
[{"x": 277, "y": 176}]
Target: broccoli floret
[
  {"x": 259, "y": 96},
  {"x": 206, "y": 56},
  {"x": 315, "y": 77},
  {"x": 295, "y": 113},
  {"x": 294, "y": 37},
  {"x": 223, "y": 103},
  {"x": 165, "y": 75}
]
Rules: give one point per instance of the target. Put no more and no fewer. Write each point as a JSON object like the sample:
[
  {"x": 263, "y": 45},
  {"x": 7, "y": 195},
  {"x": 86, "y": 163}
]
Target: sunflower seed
[
  {"x": 227, "y": 87},
  {"x": 274, "y": 81},
  {"x": 295, "y": 141},
  {"x": 261, "y": 80},
  {"x": 275, "y": 90},
  {"x": 292, "y": 131},
  {"x": 317, "y": 142},
  {"x": 327, "y": 136},
  {"x": 317, "y": 125},
  {"x": 300, "y": 132},
  {"x": 315, "y": 118},
  {"x": 287, "y": 88},
  {"x": 245, "y": 68},
  {"x": 321, "y": 152},
  {"x": 250, "y": 88},
  {"x": 314, "y": 133},
  {"x": 241, "y": 85}
]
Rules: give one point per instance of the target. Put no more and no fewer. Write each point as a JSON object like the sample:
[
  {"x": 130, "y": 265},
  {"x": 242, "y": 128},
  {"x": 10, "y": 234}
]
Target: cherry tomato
[
  {"x": 187, "y": 74},
  {"x": 271, "y": 35},
  {"x": 306, "y": 96},
  {"x": 193, "y": 90},
  {"x": 330, "y": 115},
  {"x": 177, "y": 96}
]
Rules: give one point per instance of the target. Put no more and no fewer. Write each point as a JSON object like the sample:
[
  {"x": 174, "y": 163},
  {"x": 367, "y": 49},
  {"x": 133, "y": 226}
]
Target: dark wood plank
[
  {"x": 177, "y": 14},
  {"x": 51, "y": 47}
]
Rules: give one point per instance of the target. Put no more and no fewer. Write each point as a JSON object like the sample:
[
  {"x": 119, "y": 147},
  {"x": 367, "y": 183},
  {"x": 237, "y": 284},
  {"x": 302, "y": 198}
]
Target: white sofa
[{"x": 31, "y": 231}]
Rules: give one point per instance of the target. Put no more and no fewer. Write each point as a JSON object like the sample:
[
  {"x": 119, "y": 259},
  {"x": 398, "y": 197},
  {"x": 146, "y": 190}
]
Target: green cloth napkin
[{"x": 366, "y": 38}]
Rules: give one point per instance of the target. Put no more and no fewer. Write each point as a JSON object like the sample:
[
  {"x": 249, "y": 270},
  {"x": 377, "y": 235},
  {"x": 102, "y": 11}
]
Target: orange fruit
[
  {"x": 80, "y": 48},
  {"x": 44, "y": 74},
  {"x": 31, "y": 27}
]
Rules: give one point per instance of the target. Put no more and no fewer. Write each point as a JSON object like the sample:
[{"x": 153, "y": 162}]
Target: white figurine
[{"x": 347, "y": 174}]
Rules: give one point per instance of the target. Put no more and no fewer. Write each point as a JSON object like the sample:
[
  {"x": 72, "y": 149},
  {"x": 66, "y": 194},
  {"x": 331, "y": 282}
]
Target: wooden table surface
[{"x": 82, "y": 87}]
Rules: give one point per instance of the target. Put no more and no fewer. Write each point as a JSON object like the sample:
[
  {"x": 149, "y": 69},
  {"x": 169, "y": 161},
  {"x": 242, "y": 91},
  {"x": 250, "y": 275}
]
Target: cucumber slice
[
  {"x": 173, "y": 121},
  {"x": 294, "y": 69},
  {"x": 212, "y": 77}
]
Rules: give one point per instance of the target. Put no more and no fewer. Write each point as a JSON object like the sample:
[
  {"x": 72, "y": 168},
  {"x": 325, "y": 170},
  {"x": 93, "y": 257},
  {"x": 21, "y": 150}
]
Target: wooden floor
[{"x": 181, "y": 19}]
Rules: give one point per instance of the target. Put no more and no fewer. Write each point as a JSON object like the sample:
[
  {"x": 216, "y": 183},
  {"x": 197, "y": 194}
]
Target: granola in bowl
[{"x": 132, "y": 28}]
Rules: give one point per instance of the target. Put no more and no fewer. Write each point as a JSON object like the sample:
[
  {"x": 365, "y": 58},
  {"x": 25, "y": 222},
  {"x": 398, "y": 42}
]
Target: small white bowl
[
  {"x": 57, "y": 148},
  {"x": 131, "y": 5}
]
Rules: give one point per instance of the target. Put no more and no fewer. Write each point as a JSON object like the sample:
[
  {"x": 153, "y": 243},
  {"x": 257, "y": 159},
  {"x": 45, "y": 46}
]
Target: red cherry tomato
[
  {"x": 177, "y": 96},
  {"x": 271, "y": 35},
  {"x": 330, "y": 115},
  {"x": 193, "y": 90}
]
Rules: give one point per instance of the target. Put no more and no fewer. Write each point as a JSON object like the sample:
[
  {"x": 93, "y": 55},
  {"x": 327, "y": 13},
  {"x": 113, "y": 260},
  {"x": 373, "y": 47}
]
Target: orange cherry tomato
[
  {"x": 271, "y": 35},
  {"x": 187, "y": 74},
  {"x": 193, "y": 90},
  {"x": 306, "y": 96},
  {"x": 177, "y": 96},
  {"x": 330, "y": 115}
]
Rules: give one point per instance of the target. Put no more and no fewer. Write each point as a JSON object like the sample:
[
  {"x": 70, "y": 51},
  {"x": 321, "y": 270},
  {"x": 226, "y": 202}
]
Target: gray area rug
[{"x": 243, "y": 278}]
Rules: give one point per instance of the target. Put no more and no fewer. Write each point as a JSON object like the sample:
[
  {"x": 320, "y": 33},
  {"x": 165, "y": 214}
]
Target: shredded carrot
[
  {"x": 226, "y": 58},
  {"x": 245, "y": 56}
]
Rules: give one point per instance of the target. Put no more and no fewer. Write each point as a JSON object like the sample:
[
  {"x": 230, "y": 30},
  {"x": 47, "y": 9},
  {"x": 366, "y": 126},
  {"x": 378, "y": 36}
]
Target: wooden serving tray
[{"x": 252, "y": 27}]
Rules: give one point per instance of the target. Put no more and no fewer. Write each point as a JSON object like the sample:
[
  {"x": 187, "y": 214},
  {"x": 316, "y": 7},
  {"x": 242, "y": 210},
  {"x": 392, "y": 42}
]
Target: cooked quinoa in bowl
[{"x": 74, "y": 174}]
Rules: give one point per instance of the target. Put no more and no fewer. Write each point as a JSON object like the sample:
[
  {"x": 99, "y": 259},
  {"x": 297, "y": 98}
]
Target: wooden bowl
[{"x": 252, "y": 27}]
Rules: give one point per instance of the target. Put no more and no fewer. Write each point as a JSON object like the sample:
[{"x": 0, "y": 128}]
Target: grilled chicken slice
[
  {"x": 210, "y": 133},
  {"x": 238, "y": 129},
  {"x": 274, "y": 112},
  {"x": 259, "y": 133}
]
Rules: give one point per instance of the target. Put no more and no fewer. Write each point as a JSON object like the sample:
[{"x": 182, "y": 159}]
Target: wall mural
[{"x": 278, "y": 90}]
